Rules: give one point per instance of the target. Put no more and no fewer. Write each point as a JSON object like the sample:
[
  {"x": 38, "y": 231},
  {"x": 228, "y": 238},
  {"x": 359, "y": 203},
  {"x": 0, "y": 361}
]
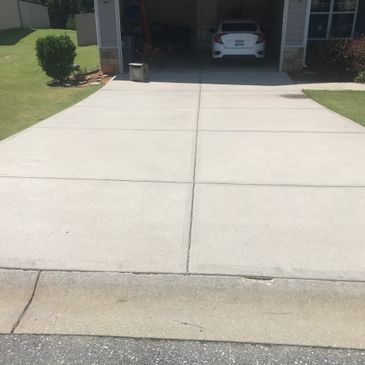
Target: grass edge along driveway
[
  {"x": 350, "y": 104},
  {"x": 25, "y": 97}
]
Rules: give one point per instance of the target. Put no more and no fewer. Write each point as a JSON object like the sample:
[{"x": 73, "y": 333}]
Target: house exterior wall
[
  {"x": 107, "y": 36},
  {"x": 34, "y": 15},
  {"x": 295, "y": 38},
  {"x": 9, "y": 14}
]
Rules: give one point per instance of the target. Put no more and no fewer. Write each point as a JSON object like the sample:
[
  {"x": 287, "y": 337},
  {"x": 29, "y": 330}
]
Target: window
[
  {"x": 239, "y": 27},
  {"x": 332, "y": 19}
]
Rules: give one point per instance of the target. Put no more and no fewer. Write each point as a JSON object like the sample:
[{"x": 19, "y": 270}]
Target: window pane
[
  {"x": 342, "y": 25},
  {"x": 239, "y": 27},
  {"x": 318, "y": 26},
  {"x": 344, "y": 5},
  {"x": 320, "y": 5}
]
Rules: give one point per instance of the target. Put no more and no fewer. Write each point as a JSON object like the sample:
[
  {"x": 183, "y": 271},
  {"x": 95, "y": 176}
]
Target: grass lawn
[
  {"x": 351, "y": 104},
  {"x": 25, "y": 97}
]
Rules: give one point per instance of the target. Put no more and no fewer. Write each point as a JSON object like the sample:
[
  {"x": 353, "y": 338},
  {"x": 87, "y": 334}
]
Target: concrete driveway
[{"x": 197, "y": 172}]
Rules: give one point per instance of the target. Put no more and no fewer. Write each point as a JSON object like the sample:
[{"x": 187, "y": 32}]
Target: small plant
[
  {"x": 56, "y": 55},
  {"x": 360, "y": 78},
  {"x": 79, "y": 73}
]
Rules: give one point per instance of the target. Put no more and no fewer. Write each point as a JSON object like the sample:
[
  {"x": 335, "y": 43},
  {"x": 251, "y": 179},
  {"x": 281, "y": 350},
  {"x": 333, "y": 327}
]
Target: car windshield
[{"x": 239, "y": 27}]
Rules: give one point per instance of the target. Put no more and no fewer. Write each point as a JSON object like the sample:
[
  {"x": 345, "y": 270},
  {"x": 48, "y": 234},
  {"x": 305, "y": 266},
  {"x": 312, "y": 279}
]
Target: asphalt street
[{"x": 33, "y": 349}]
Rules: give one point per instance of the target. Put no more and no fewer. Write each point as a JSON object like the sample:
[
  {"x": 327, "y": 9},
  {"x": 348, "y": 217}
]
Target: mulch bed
[{"x": 89, "y": 79}]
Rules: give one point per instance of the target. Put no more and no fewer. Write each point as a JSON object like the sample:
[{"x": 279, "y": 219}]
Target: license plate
[{"x": 239, "y": 43}]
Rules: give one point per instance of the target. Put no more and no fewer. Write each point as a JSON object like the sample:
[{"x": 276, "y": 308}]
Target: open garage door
[
  {"x": 268, "y": 13},
  {"x": 183, "y": 27}
]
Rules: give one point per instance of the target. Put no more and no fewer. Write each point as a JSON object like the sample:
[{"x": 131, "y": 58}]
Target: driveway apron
[{"x": 206, "y": 172}]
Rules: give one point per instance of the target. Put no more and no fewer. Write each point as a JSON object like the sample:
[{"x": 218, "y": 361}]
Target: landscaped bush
[
  {"x": 56, "y": 55},
  {"x": 339, "y": 60},
  {"x": 348, "y": 56},
  {"x": 360, "y": 77}
]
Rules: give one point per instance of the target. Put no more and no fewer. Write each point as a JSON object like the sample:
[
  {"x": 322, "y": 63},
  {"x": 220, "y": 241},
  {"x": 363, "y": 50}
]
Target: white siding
[
  {"x": 107, "y": 23},
  {"x": 297, "y": 14}
]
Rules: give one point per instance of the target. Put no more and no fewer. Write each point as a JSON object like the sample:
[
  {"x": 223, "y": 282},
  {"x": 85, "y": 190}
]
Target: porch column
[
  {"x": 109, "y": 35},
  {"x": 296, "y": 22}
]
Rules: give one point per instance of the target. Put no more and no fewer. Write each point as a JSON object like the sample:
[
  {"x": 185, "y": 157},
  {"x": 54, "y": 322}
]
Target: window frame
[{"x": 330, "y": 14}]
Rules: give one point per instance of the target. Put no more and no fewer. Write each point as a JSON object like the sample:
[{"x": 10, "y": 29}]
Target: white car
[{"x": 239, "y": 38}]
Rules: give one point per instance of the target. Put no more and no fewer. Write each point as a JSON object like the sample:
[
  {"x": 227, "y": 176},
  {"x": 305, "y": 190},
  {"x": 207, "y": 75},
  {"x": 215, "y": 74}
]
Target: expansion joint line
[{"x": 187, "y": 270}]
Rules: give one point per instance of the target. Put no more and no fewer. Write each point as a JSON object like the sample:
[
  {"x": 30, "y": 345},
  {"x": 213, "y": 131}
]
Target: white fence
[
  {"x": 86, "y": 29},
  {"x": 14, "y": 14},
  {"x": 9, "y": 14},
  {"x": 34, "y": 15}
]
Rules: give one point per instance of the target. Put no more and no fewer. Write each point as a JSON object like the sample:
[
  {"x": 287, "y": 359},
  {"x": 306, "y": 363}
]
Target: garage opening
[{"x": 181, "y": 31}]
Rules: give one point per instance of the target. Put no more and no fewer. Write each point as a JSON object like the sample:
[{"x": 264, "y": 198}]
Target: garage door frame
[{"x": 120, "y": 44}]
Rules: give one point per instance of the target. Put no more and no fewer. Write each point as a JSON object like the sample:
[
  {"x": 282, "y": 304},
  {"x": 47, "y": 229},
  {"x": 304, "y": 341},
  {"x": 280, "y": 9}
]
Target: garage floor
[
  {"x": 197, "y": 61},
  {"x": 195, "y": 172}
]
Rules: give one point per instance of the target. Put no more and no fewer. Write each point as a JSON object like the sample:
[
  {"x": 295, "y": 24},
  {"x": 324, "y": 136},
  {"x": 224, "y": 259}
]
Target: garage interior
[{"x": 180, "y": 31}]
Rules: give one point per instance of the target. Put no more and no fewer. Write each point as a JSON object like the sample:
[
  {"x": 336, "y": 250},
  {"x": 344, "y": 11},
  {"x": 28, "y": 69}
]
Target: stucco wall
[
  {"x": 86, "y": 29},
  {"x": 9, "y": 14},
  {"x": 34, "y": 15}
]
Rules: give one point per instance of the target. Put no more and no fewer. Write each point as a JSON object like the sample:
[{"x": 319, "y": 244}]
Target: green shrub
[
  {"x": 360, "y": 78},
  {"x": 56, "y": 55},
  {"x": 79, "y": 73},
  {"x": 339, "y": 59},
  {"x": 348, "y": 56}
]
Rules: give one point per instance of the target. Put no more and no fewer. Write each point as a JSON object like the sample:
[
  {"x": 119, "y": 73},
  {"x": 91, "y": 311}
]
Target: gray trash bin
[{"x": 138, "y": 71}]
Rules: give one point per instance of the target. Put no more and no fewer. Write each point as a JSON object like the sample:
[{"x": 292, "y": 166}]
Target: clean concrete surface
[
  {"x": 143, "y": 99},
  {"x": 101, "y": 117},
  {"x": 247, "y": 81},
  {"x": 79, "y": 350},
  {"x": 87, "y": 225},
  {"x": 16, "y": 289},
  {"x": 252, "y": 99},
  {"x": 162, "y": 81},
  {"x": 265, "y": 224},
  {"x": 105, "y": 154},
  {"x": 282, "y": 158},
  {"x": 275, "y": 120},
  {"x": 110, "y": 183},
  {"x": 332, "y": 86},
  {"x": 295, "y": 312}
]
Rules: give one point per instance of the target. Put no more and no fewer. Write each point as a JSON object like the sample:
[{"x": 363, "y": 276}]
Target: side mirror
[{"x": 212, "y": 30}]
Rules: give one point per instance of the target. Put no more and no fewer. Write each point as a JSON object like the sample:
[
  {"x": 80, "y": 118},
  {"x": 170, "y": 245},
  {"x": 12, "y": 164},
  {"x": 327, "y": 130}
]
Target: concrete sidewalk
[
  {"x": 196, "y": 172},
  {"x": 332, "y": 86}
]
